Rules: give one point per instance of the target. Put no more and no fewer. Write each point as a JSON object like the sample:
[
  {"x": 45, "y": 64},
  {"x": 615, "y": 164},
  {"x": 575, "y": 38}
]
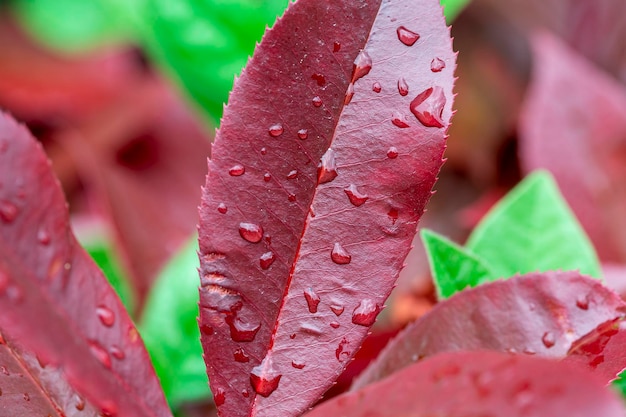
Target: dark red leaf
[
  {"x": 533, "y": 314},
  {"x": 301, "y": 317},
  {"x": 55, "y": 302},
  {"x": 574, "y": 124},
  {"x": 471, "y": 384}
]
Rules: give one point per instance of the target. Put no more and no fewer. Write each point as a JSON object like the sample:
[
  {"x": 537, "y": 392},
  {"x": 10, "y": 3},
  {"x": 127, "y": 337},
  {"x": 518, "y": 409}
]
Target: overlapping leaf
[
  {"x": 296, "y": 262},
  {"x": 56, "y": 305},
  {"x": 540, "y": 314},
  {"x": 469, "y": 384}
]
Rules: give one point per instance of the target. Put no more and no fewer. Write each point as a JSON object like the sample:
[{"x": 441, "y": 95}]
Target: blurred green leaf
[
  {"x": 452, "y": 8},
  {"x": 205, "y": 43},
  {"x": 533, "y": 229},
  {"x": 453, "y": 267},
  {"x": 170, "y": 330}
]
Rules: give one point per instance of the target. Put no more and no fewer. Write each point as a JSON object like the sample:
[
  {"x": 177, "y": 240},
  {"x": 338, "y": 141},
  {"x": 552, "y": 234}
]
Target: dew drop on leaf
[
  {"x": 100, "y": 353},
  {"x": 106, "y": 315},
  {"x": 341, "y": 350},
  {"x": 264, "y": 378},
  {"x": 317, "y": 101},
  {"x": 327, "y": 169},
  {"x": 240, "y": 331},
  {"x": 80, "y": 403},
  {"x": 428, "y": 106},
  {"x": 399, "y": 121},
  {"x": 297, "y": 365},
  {"x": 251, "y": 232},
  {"x": 407, "y": 37},
  {"x": 334, "y": 325},
  {"x": 26, "y": 396},
  {"x": 207, "y": 330},
  {"x": 263, "y": 151},
  {"x": 8, "y": 211},
  {"x": 365, "y": 313},
  {"x": 548, "y": 339},
  {"x": 303, "y": 134},
  {"x": 336, "y": 46},
  {"x": 362, "y": 66},
  {"x": 43, "y": 237},
  {"x": 219, "y": 397},
  {"x": 292, "y": 174},
  {"x": 403, "y": 87},
  {"x": 337, "y": 309},
  {"x": 276, "y": 130},
  {"x": 221, "y": 207},
  {"x": 267, "y": 177},
  {"x": 312, "y": 299},
  {"x": 267, "y": 259},
  {"x": 241, "y": 356},
  {"x": 321, "y": 80},
  {"x": 376, "y": 87},
  {"x": 117, "y": 353},
  {"x": 392, "y": 152},
  {"x": 582, "y": 302},
  {"x": 349, "y": 94},
  {"x": 236, "y": 170},
  {"x": 437, "y": 65},
  {"x": 245, "y": 393},
  {"x": 291, "y": 197},
  {"x": 339, "y": 255},
  {"x": 355, "y": 197}
]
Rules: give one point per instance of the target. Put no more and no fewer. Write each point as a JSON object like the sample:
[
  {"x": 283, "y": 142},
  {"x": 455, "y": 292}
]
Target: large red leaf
[
  {"x": 580, "y": 139},
  {"x": 296, "y": 263},
  {"x": 55, "y": 302},
  {"x": 534, "y": 314},
  {"x": 471, "y": 384}
]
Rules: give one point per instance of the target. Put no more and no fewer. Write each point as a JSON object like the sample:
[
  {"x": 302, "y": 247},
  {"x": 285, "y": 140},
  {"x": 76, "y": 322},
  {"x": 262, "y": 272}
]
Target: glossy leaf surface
[
  {"x": 539, "y": 314},
  {"x": 296, "y": 263},
  {"x": 54, "y": 301},
  {"x": 470, "y": 384}
]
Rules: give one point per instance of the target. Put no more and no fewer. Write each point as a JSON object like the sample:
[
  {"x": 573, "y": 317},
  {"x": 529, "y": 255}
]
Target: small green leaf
[
  {"x": 452, "y": 8},
  {"x": 533, "y": 229},
  {"x": 453, "y": 267},
  {"x": 169, "y": 328}
]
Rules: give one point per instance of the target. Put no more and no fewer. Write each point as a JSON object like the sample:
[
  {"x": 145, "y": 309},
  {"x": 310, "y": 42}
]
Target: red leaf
[
  {"x": 574, "y": 124},
  {"x": 533, "y": 314},
  {"x": 55, "y": 302},
  {"x": 470, "y": 384},
  {"x": 301, "y": 317}
]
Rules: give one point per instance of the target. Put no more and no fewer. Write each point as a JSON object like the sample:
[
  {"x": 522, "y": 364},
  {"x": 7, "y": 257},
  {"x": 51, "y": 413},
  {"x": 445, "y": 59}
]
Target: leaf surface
[
  {"x": 534, "y": 314},
  {"x": 54, "y": 301},
  {"x": 296, "y": 263},
  {"x": 470, "y": 384}
]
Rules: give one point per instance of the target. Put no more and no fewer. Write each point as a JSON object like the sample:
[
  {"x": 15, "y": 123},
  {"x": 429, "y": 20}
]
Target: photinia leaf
[
  {"x": 453, "y": 267},
  {"x": 296, "y": 261},
  {"x": 55, "y": 302},
  {"x": 169, "y": 328},
  {"x": 582, "y": 140},
  {"x": 532, "y": 229},
  {"x": 533, "y": 314},
  {"x": 470, "y": 384}
]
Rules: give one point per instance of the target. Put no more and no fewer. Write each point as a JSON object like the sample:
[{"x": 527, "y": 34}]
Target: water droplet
[
  {"x": 582, "y": 302},
  {"x": 303, "y": 134},
  {"x": 362, "y": 66},
  {"x": 428, "y": 106},
  {"x": 221, "y": 207},
  {"x": 43, "y": 237},
  {"x": 241, "y": 356},
  {"x": 240, "y": 331},
  {"x": 529, "y": 351},
  {"x": 26, "y": 396},
  {"x": 312, "y": 299},
  {"x": 117, "y": 353},
  {"x": 264, "y": 378},
  {"x": 100, "y": 353},
  {"x": 109, "y": 410},
  {"x": 106, "y": 315},
  {"x": 8, "y": 211},
  {"x": 251, "y": 232},
  {"x": 327, "y": 169},
  {"x": 292, "y": 174},
  {"x": 237, "y": 170},
  {"x": 321, "y": 80},
  {"x": 245, "y": 393},
  {"x": 392, "y": 152},
  {"x": 339, "y": 255},
  {"x": 355, "y": 197},
  {"x": 4, "y": 370},
  {"x": 317, "y": 101},
  {"x": 207, "y": 330},
  {"x": 548, "y": 339},
  {"x": 267, "y": 259},
  {"x": 276, "y": 130},
  {"x": 376, "y": 87},
  {"x": 365, "y": 313},
  {"x": 407, "y": 37},
  {"x": 437, "y": 64},
  {"x": 219, "y": 397},
  {"x": 336, "y": 46},
  {"x": 334, "y": 325},
  {"x": 291, "y": 197},
  {"x": 393, "y": 215},
  {"x": 399, "y": 120},
  {"x": 341, "y": 350},
  {"x": 297, "y": 365},
  {"x": 80, "y": 403},
  {"x": 267, "y": 177},
  {"x": 292, "y": 336},
  {"x": 349, "y": 94},
  {"x": 263, "y": 151},
  {"x": 337, "y": 309},
  {"x": 311, "y": 328},
  {"x": 403, "y": 87}
]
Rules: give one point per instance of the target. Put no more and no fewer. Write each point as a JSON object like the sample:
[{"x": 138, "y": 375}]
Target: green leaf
[
  {"x": 452, "y": 8},
  {"x": 169, "y": 328},
  {"x": 533, "y": 229},
  {"x": 453, "y": 267},
  {"x": 205, "y": 43}
]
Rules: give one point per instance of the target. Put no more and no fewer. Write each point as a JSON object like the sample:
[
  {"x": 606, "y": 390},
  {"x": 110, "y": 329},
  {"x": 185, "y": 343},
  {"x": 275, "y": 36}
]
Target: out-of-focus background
[{"x": 125, "y": 96}]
